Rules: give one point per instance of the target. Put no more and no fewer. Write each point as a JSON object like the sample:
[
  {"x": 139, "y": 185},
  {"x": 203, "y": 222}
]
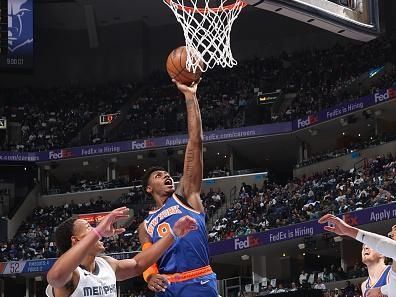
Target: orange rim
[{"x": 206, "y": 10}]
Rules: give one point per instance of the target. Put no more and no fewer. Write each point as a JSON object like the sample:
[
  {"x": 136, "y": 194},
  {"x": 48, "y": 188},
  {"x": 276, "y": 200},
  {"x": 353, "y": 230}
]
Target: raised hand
[
  {"x": 106, "y": 227},
  {"x": 337, "y": 226},
  {"x": 192, "y": 89},
  {"x": 184, "y": 225}
]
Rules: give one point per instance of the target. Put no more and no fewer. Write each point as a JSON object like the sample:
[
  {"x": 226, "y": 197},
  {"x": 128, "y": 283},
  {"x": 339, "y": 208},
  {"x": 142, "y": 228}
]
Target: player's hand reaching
[
  {"x": 106, "y": 227},
  {"x": 187, "y": 90},
  {"x": 337, "y": 226},
  {"x": 157, "y": 283},
  {"x": 184, "y": 225}
]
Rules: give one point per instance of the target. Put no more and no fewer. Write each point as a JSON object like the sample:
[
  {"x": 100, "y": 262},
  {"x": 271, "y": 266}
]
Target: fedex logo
[
  {"x": 390, "y": 93},
  {"x": 142, "y": 145},
  {"x": 250, "y": 241},
  {"x": 310, "y": 120},
  {"x": 62, "y": 154}
]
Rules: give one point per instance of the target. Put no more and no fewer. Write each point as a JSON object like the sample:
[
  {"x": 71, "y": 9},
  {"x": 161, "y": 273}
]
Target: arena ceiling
[{"x": 69, "y": 14}]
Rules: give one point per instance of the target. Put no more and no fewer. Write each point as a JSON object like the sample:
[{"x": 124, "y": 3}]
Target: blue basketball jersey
[
  {"x": 382, "y": 281},
  {"x": 189, "y": 252}
]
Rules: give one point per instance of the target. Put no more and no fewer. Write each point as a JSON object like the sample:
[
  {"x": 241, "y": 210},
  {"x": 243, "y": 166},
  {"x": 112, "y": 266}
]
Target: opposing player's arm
[
  {"x": 128, "y": 268},
  {"x": 379, "y": 243},
  {"x": 190, "y": 184},
  {"x": 64, "y": 268},
  {"x": 62, "y": 271}
]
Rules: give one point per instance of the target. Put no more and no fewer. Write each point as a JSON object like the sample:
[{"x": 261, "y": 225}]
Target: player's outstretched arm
[
  {"x": 62, "y": 271},
  {"x": 190, "y": 185},
  {"x": 381, "y": 244},
  {"x": 129, "y": 268}
]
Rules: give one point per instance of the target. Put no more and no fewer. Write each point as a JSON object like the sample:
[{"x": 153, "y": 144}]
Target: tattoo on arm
[{"x": 189, "y": 163}]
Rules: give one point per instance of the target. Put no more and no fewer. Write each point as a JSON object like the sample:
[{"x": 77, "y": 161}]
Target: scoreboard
[
  {"x": 16, "y": 34},
  {"x": 356, "y": 19}
]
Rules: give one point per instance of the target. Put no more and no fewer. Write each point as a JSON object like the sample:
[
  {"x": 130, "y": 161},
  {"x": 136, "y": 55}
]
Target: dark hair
[
  {"x": 63, "y": 235},
  {"x": 146, "y": 176}
]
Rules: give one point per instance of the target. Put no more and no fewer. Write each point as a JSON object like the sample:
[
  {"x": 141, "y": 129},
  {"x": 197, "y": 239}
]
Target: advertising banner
[
  {"x": 311, "y": 228},
  {"x": 138, "y": 145},
  {"x": 344, "y": 109}
]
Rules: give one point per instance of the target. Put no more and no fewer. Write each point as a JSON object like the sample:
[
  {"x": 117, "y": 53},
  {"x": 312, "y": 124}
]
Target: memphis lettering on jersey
[
  {"x": 162, "y": 215},
  {"x": 99, "y": 290}
]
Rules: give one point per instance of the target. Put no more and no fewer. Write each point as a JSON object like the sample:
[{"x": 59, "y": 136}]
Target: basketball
[{"x": 176, "y": 67}]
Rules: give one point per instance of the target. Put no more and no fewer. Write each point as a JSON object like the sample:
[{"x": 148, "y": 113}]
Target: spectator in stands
[
  {"x": 48, "y": 120},
  {"x": 320, "y": 285},
  {"x": 293, "y": 287},
  {"x": 303, "y": 277},
  {"x": 349, "y": 290},
  {"x": 333, "y": 191}
]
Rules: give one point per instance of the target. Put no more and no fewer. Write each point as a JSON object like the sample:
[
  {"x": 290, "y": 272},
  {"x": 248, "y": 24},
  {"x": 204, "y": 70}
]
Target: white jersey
[{"x": 101, "y": 284}]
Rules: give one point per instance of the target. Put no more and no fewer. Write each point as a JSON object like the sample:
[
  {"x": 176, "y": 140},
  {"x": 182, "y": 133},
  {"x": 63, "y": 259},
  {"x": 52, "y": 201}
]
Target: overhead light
[
  {"x": 284, "y": 255},
  {"x": 313, "y": 132},
  {"x": 318, "y": 256},
  {"x": 303, "y": 254},
  {"x": 378, "y": 112},
  {"x": 301, "y": 246},
  {"x": 245, "y": 257},
  {"x": 343, "y": 133},
  {"x": 338, "y": 239},
  {"x": 359, "y": 134},
  {"x": 218, "y": 154}
]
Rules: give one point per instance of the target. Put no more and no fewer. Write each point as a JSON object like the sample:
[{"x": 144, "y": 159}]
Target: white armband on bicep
[
  {"x": 381, "y": 244},
  {"x": 385, "y": 290},
  {"x": 389, "y": 289}
]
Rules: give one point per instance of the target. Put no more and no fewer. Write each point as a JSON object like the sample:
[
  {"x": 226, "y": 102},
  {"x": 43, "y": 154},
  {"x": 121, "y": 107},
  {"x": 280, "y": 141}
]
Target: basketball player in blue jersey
[
  {"x": 184, "y": 269},
  {"x": 379, "y": 282}
]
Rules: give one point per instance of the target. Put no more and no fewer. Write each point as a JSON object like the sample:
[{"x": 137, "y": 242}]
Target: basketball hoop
[{"x": 207, "y": 31}]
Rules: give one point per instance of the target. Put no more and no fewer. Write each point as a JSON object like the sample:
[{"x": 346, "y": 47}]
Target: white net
[{"x": 207, "y": 31}]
